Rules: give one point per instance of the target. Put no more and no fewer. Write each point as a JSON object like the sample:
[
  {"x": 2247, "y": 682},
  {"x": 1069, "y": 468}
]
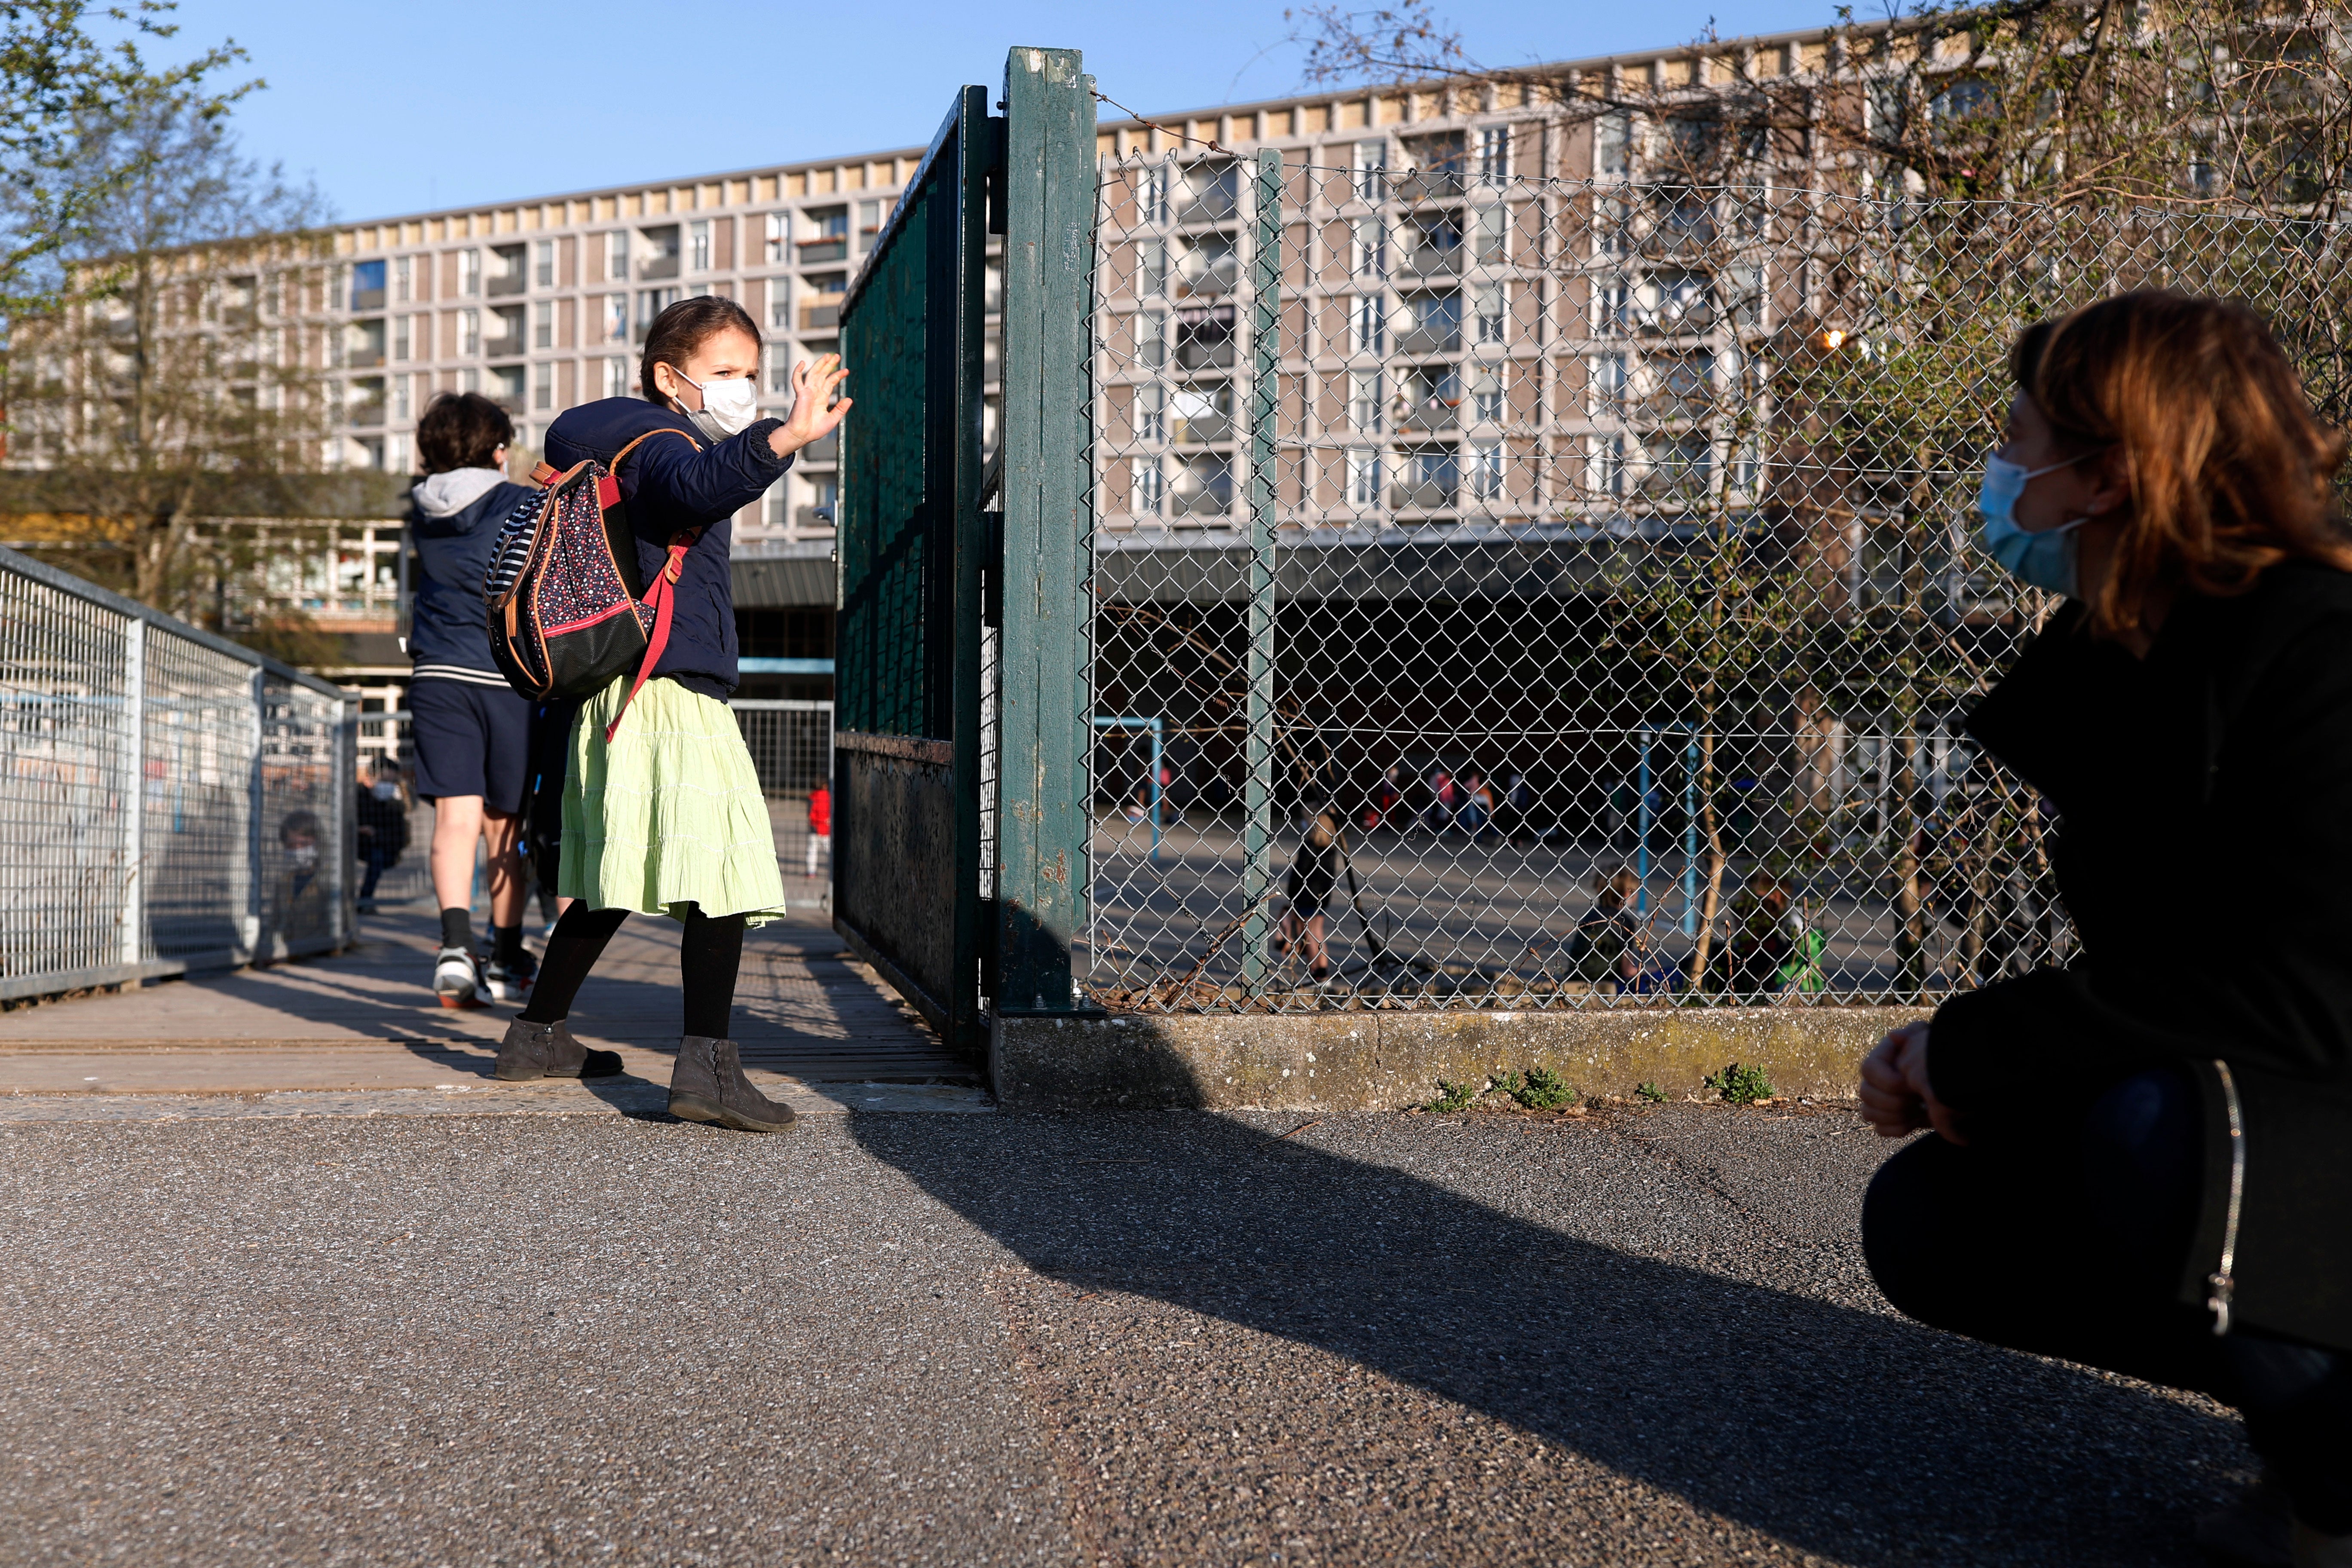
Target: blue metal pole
[
  {"x": 1155, "y": 791},
  {"x": 1690, "y": 835},
  {"x": 1642, "y": 831}
]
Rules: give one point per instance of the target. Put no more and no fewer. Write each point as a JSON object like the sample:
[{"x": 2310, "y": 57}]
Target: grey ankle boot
[
  {"x": 709, "y": 1085},
  {"x": 548, "y": 1050}
]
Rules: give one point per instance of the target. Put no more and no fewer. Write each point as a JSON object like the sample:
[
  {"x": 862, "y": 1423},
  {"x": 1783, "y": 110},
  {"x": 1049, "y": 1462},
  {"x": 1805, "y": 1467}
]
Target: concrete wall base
[{"x": 1387, "y": 1061}]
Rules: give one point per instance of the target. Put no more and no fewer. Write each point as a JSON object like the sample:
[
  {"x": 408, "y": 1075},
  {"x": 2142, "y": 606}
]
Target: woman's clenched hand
[{"x": 1896, "y": 1098}]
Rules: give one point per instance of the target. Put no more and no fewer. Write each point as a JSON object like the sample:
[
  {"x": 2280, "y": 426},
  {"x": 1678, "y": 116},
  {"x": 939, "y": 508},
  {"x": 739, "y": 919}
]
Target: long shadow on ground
[{"x": 1839, "y": 1429}]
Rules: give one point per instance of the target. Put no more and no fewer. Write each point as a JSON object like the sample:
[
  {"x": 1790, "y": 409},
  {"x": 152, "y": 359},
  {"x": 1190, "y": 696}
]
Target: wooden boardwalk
[{"x": 804, "y": 1011}]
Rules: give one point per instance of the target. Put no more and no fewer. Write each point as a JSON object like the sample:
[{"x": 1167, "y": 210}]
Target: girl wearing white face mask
[{"x": 667, "y": 817}]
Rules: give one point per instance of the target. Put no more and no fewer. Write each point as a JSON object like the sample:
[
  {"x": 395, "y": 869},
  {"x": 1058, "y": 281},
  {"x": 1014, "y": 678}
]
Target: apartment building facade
[{"x": 1404, "y": 255}]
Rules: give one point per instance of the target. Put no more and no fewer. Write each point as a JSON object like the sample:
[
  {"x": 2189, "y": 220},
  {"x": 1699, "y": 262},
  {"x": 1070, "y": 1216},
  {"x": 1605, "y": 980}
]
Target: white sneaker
[{"x": 457, "y": 979}]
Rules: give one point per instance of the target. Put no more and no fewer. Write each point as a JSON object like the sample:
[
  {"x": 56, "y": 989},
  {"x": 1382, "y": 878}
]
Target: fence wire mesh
[
  {"x": 165, "y": 803},
  {"x": 1519, "y": 593}
]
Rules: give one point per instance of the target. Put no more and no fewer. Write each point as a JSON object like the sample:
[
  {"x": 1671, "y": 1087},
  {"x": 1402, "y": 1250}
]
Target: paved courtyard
[{"x": 420, "y": 1327}]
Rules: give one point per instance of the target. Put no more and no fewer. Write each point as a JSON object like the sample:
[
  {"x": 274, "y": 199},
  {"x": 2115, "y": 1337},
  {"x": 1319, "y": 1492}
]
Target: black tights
[
  {"x": 2078, "y": 1251},
  {"x": 708, "y": 957}
]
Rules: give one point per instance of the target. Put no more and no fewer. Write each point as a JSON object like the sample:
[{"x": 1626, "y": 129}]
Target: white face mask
[{"x": 728, "y": 407}]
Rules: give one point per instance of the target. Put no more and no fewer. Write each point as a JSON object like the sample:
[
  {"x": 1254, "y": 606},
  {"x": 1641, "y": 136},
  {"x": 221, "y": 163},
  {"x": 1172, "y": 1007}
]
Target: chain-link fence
[
  {"x": 169, "y": 801},
  {"x": 791, "y": 747},
  {"x": 1515, "y": 593}
]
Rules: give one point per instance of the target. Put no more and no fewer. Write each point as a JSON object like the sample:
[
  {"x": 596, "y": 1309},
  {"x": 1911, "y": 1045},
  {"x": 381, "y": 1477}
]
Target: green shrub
[
  {"x": 1740, "y": 1085},
  {"x": 1541, "y": 1089},
  {"x": 1653, "y": 1093},
  {"x": 1453, "y": 1096}
]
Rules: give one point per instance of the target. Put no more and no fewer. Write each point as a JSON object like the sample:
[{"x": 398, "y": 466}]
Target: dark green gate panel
[{"x": 907, "y": 755}]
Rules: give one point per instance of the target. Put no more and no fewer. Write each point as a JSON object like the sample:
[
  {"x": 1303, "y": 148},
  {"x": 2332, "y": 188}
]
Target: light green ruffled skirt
[{"x": 670, "y": 813}]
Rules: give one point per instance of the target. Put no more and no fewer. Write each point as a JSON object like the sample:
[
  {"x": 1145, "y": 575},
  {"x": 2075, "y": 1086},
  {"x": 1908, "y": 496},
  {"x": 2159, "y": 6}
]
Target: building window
[
  {"x": 403, "y": 273},
  {"x": 1369, "y": 252},
  {"x": 779, "y": 367},
  {"x": 1151, "y": 487},
  {"x": 469, "y": 273},
  {"x": 542, "y": 324},
  {"x": 1609, "y": 454},
  {"x": 470, "y": 333},
  {"x": 616, "y": 255},
  {"x": 1492, "y": 233},
  {"x": 1486, "y": 397},
  {"x": 780, "y": 234},
  {"x": 469, "y": 379},
  {"x": 1367, "y": 327},
  {"x": 1486, "y": 470},
  {"x": 1365, "y": 402},
  {"x": 651, "y": 302},
  {"x": 1151, "y": 267},
  {"x": 542, "y": 263},
  {"x": 395, "y": 453},
  {"x": 400, "y": 337},
  {"x": 697, "y": 245},
  {"x": 1363, "y": 477},
  {"x": 1613, "y": 300},
  {"x": 1152, "y": 197},
  {"x": 617, "y": 377},
  {"x": 1486, "y": 305},
  {"x": 400, "y": 397},
  {"x": 616, "y": 318},
  {"x": 1151, "y": 412},
  {"x": 1608, "y": 382},
  {"x": 1152, "y": 338},
  {"x": 1371, "y": 166},
  {"x": 543, "y": 385},
  {"x": 1612, "y": 143},
  {"x": 780, "y": 304},
  {"x": 1495, "y": 154},
  {"x": 869, "y": 225}
]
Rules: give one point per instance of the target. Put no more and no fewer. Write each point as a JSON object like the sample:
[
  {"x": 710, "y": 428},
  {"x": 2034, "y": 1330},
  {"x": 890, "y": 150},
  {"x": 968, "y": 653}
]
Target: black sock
[
  {"x": 458, "y": 929},
  {"x": 571, "y": 952},
  {"x": 708, "y": 957},
  {"x": 505, "y": 943}
]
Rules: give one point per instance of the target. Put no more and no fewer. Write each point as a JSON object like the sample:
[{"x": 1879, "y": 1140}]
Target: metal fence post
[
  {"x": 1257, "y": 744},
  {"x": 134, "y": 791},
  {"x": 1044, "y": 813},
  {"x": 256, "y": 894}
]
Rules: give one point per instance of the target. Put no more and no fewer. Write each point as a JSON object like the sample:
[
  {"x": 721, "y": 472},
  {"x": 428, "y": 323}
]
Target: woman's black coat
[{"x": 2204, "y": 850}]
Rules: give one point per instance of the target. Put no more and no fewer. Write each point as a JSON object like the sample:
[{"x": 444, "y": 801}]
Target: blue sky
[{"x": 397, "y": 108}]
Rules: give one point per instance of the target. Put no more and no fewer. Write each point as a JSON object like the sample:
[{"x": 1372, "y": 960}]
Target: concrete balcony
[
  {"x": 820, "y": 318},
  {"x": 814, "y": 252}
]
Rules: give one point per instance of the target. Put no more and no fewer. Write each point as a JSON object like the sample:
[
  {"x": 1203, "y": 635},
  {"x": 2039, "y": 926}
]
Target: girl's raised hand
[{"x": 812, "y": 420}]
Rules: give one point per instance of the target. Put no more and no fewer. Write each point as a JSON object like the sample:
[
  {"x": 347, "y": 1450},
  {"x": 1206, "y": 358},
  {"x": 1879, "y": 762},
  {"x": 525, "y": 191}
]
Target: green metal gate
[{"x": 960, "y": 927}]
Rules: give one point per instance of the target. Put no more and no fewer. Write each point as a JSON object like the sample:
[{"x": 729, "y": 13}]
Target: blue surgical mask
[{"x": 2042, "y": 560}]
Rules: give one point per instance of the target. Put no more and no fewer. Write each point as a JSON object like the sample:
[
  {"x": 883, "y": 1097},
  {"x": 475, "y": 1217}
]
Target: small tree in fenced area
[{"x": 181, "y": 374}]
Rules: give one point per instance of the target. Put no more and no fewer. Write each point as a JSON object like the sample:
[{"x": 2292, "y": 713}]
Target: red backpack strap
[
  {"x": 608, "y": 489},
  {"x": 663, "y": 598}
]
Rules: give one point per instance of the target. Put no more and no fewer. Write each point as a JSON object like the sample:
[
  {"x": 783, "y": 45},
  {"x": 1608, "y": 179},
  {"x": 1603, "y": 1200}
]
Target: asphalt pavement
[{"x": 1644, "y": 1335}]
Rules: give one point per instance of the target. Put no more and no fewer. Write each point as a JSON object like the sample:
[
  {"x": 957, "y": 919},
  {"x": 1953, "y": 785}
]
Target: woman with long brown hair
[{"x": 2140, "y": 1161}]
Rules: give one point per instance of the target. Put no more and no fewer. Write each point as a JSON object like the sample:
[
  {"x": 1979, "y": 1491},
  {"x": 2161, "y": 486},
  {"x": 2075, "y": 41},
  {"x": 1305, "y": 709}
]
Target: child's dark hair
[
  {"x": 461, "y": 431},
  {"x": 684, "y": 328},
  {"x": 297, "y": 823}
]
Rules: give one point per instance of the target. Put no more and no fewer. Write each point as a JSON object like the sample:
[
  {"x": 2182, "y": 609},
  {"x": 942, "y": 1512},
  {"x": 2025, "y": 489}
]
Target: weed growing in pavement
[
  {"x": 1541, "y": 1089},
  {"x": 1652, "y": 1092},
  {"x": 1740, "y": 1085},
  {"x": 1453, "y": 1096}
]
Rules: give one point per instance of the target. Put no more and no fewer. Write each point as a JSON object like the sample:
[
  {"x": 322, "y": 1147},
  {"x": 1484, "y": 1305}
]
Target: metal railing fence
[
  {"x": 168, "y": 800},
  {"x": 1521, "y": 593}
]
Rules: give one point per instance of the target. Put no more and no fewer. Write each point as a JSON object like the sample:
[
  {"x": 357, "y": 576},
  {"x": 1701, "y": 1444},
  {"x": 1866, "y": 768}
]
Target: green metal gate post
[
  {"x": 1258, "y": 744},
  {"x": 1042, "y": 814}
]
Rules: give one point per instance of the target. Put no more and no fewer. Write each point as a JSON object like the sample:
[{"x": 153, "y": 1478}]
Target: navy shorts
[{"x": 471, "y": 740}]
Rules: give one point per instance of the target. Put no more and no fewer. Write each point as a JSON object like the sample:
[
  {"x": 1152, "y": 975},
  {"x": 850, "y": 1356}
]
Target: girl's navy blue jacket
[
  {"x": 453, "y": 521},
  {"x": 669, "y": 488}
]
